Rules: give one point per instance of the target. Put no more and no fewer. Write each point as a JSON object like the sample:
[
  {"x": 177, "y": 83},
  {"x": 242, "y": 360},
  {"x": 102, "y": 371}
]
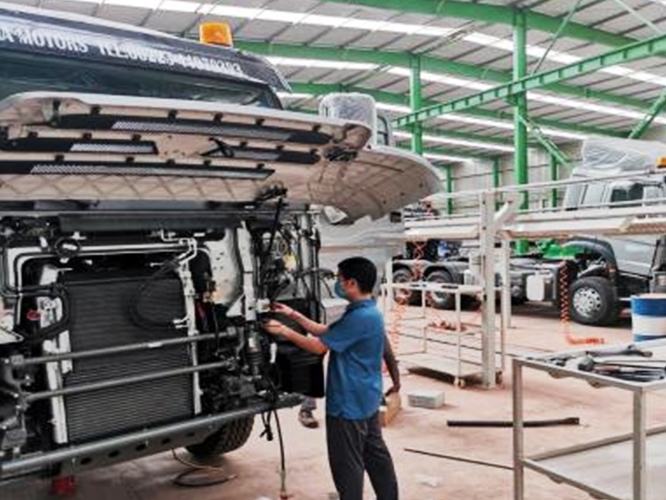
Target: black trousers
[{"x": 355, "y": 447}]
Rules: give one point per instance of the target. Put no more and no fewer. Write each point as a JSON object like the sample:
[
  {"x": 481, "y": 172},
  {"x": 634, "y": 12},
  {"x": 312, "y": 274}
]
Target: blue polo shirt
[{"x": 356, "y": 344}]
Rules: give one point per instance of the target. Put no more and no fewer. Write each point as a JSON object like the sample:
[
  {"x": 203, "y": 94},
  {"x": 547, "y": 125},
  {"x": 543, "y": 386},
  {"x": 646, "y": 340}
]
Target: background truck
[{"x": 599, "y": 275}]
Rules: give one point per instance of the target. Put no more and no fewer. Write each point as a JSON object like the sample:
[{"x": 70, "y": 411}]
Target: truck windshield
[{"x": 33, "y": 72}]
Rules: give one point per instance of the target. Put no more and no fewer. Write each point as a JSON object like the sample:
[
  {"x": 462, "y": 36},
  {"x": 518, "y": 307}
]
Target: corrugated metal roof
[{"x": 475, "y": 43}]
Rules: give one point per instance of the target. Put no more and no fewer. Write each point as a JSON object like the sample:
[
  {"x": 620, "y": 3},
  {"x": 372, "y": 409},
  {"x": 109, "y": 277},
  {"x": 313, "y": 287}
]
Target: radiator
[{"x": 100, "y": 318}]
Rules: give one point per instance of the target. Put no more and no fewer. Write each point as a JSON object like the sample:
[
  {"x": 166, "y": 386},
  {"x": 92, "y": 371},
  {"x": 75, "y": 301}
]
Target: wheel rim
[
  {"x": 438, "y": 296},
  {"x": 587, "y": 301},
  {"x": 402, "y": 294}
]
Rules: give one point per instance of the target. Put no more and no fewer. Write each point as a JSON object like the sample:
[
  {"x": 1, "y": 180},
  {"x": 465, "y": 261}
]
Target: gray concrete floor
[{"x": 603, "y": 412}]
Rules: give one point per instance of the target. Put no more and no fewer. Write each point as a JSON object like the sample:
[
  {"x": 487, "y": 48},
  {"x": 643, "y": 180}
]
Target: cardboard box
[{"x": 388, "y": 412}]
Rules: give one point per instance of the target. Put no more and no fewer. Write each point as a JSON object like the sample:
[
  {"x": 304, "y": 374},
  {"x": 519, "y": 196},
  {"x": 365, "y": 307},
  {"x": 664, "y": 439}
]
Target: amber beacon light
[{"x": 216, "y": 34}]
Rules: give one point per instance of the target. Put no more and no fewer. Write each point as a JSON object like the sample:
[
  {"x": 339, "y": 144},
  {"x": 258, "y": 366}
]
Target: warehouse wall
[{"x": 477, "y": 175}]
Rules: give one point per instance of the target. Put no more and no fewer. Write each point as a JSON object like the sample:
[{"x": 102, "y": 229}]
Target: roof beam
[
  {"x": 320, "y": 89},
  {"x": 495, "y": 14},
  {"x": 632, "y": 52},
  {"x": 428, "y": 63}
]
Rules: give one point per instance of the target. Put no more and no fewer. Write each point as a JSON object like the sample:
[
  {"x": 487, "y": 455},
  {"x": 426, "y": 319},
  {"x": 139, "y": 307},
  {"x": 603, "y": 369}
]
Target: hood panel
[{"x": 82, "y": 146}]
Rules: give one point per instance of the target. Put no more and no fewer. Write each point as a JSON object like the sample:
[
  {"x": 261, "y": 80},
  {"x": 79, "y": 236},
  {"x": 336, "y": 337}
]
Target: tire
[
  {"x": 404, "y": 296},
  {"x": 593, "y": 301},
  {"x": 438, "y": 299},
  {"x": 231, "y": 436}
]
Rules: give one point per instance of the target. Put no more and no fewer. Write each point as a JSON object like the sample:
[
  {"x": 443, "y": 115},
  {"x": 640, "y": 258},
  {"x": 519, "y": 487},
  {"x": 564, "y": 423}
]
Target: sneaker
[{"x": 307, "y": 419}]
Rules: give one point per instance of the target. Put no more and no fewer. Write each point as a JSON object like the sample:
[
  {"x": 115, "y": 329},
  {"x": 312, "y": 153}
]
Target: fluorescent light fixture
[
  {"x": 588, "y": 106},
  {"x": 143, "y": 4},
  {"x": 447, "y": 80},
  {"x": 281, "y": 16},
  {"x": 234, "y": 11},
  {"x": 318, "y": 63},
  {"x": 294, "y": 95},
  {"x": 395, "y": 108},
  {"x": 456, "y": 142},
  {"x": 179, "y": 6},
  {"x": 449, "y": 158}
]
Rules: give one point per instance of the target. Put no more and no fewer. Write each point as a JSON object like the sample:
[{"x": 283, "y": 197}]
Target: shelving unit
[
  {"x": 627, "y": 467},
  {"x": 456, "y": 353}
]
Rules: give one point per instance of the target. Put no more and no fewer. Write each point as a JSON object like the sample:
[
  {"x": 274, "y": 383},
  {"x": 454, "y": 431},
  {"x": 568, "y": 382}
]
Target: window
[
  {"x": 383, "y": 131},
  {"x": 624, "y": 193},
  {"x": 25, "y": 73}
]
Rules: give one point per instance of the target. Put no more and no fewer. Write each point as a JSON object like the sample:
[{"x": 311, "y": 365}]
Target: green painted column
[
  {"x": 520, "y": 113},
  {"x": 449, "y": 189},
  {"x": 415, "y": 102},
  {"x": 554, "y": 176}
]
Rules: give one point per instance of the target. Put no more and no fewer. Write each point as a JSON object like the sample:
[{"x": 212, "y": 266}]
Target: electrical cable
[
  {"x": 565, "y": 315},
  {"x": 135, "y": 312},
  {"x": 188, "y": 477}
]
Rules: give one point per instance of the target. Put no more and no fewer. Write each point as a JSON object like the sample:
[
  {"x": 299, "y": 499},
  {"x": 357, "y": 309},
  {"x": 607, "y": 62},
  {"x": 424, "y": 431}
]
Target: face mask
[{"x": 339, "y": 291}]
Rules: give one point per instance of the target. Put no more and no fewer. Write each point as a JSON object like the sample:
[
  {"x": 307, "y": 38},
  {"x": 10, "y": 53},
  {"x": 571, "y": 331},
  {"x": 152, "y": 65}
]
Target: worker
[
  {"x": 306, "y": 413},
  {"x": 354, "y": 382}
]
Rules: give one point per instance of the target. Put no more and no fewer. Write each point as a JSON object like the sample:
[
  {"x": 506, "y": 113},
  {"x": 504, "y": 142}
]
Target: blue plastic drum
[{"x": 648, "y": 316}]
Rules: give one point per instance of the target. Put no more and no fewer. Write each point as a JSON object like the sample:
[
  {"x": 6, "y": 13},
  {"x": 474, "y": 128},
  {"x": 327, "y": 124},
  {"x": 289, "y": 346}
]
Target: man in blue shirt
[{"x": 354, "y": 382}]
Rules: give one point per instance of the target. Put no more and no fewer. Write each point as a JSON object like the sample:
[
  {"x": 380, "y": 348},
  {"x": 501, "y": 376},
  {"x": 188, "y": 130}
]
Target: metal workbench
[{"x": 627, "y": 467}]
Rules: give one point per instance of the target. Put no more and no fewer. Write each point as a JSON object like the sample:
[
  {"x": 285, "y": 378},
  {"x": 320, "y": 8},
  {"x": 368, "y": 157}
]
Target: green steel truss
[
  {"x": 318, "y": 89},
  {"x": 431, "y": 64},
  {"x": 495, "y": 14},
  {"x": 632, "y": 52}
]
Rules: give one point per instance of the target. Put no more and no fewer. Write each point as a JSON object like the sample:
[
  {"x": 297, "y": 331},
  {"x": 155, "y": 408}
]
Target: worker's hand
[
  {"x": 393, "y": 390},
  {"x": 274, "y": 328},
  {"x": 283, "y": 309}
]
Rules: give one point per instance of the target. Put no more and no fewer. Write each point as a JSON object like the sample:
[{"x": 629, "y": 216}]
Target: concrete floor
[{"x": 603, "y": 413}]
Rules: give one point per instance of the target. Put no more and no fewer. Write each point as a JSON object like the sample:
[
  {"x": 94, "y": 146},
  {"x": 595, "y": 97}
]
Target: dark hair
[{"x": 360, "y": 269}]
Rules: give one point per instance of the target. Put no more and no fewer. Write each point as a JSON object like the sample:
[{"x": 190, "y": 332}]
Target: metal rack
[
  {"x": 626, "y": 467},
  {"x": 459, "y": 351}
]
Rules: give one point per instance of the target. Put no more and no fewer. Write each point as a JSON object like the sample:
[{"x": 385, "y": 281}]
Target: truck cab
[{"x": 154, "y": 201}]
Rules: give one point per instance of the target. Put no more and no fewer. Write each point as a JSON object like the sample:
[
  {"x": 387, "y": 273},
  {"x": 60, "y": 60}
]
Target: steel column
[
  {"x": 554, "y": 176},
  {"x": 520, "y": 114},
  {"x": 449, "y": 190},
  {"x": 415, "y": 103}
]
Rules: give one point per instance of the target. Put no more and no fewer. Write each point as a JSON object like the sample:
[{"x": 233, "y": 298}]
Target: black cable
[
  {"x": 135, "y": 313},
  {"x": 283, "y": 461}
]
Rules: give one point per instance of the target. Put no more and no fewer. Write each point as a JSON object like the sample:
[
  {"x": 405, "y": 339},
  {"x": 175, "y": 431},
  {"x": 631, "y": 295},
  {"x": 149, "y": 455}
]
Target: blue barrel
[{"x": 648, "y": 316}]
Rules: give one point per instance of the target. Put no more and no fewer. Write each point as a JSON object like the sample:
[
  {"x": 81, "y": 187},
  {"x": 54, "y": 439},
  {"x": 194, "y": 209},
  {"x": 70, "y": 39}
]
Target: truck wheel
[
  {"x": 592, "y": 301},
  {"x": 439, "y": 299},
  {"x": 227, "y": 438},
  {"x": 403, "y": 295}
]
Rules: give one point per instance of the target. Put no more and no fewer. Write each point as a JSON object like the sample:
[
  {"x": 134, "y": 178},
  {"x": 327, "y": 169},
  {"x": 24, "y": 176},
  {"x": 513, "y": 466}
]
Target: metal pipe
[
  {"x": 518, "y": 431},
  {"x": 449, "y": 189},
  {"x": 554, "y": 176},
  {"x": 520, "y": 114},
  {"x": 108, "y": 384},
  {"x": 155, "y": 344},
  {"x": 415, "y": 103},
  {"x": 36, "y": 461}
]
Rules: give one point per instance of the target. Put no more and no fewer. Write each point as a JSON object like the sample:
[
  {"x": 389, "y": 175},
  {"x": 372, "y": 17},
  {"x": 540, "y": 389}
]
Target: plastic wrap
[
  {"x": 353, "y": 106},
  {"x": 607, "y": 155}
]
